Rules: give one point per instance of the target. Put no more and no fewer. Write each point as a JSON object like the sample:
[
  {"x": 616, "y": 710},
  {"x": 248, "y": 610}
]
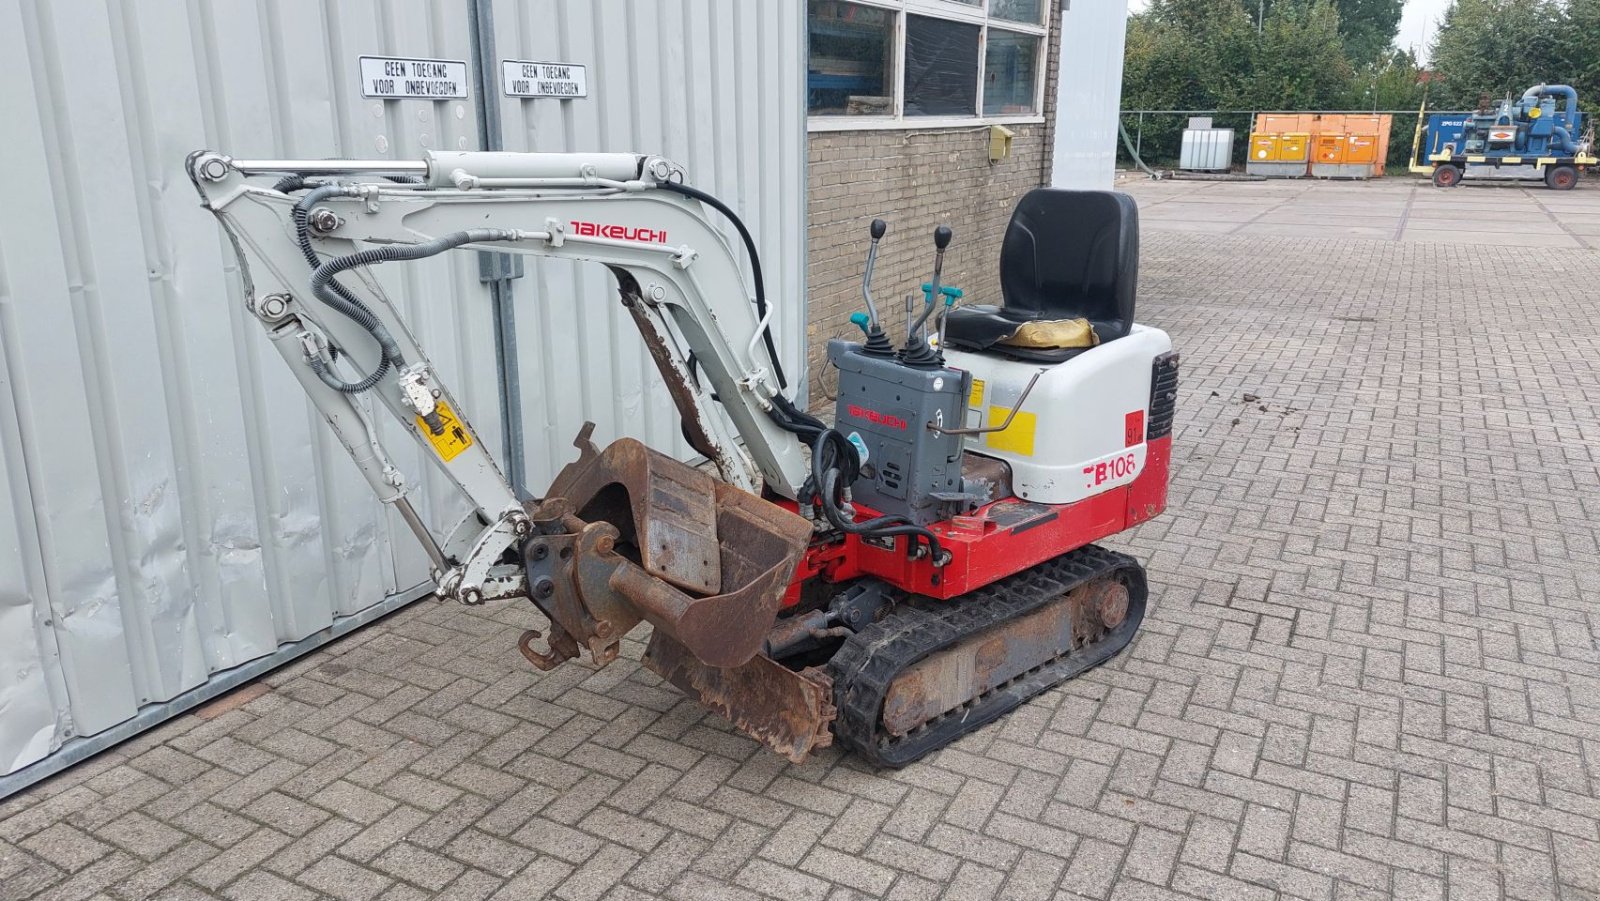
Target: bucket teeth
[{"x": 789, "y": 712}]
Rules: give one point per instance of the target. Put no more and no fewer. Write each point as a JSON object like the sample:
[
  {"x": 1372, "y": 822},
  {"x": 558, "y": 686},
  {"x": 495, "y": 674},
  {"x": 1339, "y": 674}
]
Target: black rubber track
[{"x": 869, "y": 661}]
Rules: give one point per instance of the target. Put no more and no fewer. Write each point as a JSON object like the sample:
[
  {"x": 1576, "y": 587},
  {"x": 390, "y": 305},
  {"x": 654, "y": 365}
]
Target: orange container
[
  {"x": 1298, "y": 132},
  {"x": 1385, "y": 124},
  {"x": 1325, "y": 123},
  {"x": 1277, "y": 123},
  {"x": 1361, "y": 148},
  {"x": 1329, "y": 148},
  {"x": 1294, "y": 148},
  {"x": 1360, "y": 125}
]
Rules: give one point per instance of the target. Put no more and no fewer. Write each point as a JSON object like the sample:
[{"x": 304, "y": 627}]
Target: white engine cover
[{"x": 1081, "y": 430}]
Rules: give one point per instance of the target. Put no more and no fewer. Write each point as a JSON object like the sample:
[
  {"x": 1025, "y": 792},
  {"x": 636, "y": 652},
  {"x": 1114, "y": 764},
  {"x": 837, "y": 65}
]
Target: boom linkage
[{"x": 305, "y": 259}]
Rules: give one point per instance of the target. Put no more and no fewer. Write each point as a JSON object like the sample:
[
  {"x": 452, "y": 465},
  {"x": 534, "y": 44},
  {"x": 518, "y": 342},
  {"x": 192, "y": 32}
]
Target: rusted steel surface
[
  {"x": 986, "y": 661},
  {"x": 980, "y": 470},
  {"x": 629, "y": 534},
  {"x": 665, "y": 509},
  {"x": 1111, "y": 603},
  {"x": 674, "y": 377},
  {"x": 787, "y": 711}
]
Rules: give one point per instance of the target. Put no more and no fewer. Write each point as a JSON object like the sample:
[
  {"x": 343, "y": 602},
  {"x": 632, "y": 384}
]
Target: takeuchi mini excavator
[{"x": 892, "y": 581}]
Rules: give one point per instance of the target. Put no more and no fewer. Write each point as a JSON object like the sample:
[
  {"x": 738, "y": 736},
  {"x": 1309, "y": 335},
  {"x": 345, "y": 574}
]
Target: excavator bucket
[
  {"x": 787, "y": 711},
  {"x": 629, "y": 535},
  {"x": 695, "y": 557}
]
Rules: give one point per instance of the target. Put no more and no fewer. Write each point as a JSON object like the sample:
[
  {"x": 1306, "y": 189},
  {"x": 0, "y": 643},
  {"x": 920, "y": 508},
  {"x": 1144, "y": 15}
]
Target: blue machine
[{"x": 1540, "y": 134}]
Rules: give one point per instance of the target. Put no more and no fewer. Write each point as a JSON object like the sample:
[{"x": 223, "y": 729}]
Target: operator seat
[{"x": 1067, "y": 255}]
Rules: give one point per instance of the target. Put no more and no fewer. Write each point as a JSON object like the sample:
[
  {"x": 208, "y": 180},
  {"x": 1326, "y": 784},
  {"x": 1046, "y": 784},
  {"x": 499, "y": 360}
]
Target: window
[
  {"x": 1010, "y": 67},
  {"x": 901, "y": 63},
  {"x": 852, "y": 59},
  {"x": 941, "y": 67}
]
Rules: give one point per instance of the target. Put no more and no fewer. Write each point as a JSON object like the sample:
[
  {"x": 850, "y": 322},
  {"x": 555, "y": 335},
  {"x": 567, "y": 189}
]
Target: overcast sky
[
  {"x": 1419, "y": 23},
  {"x": 1417, "y": 26}
]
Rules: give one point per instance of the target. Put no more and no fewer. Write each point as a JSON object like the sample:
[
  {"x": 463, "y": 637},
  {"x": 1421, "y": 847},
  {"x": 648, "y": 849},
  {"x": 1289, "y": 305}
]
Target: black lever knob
[
  {"x": 942, "y": 236},
  {"x": 879, "y": 228}
]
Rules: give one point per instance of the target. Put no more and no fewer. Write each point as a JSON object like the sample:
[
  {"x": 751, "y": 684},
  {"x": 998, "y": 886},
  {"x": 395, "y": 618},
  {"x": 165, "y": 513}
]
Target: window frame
[{"x": 954, "y": 11}]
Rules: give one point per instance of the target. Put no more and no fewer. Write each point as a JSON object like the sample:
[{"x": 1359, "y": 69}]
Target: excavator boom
[{"x": 626, "y": 534}]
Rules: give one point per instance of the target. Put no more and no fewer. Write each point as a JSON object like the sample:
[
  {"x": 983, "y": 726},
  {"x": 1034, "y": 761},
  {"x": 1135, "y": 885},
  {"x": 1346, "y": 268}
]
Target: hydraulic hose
[
  {"x": 755, "y": 265},
  {"x": 344, "y": 302},
  {"x": 826, "y": 475},
  {"x": 882, "y": 527},
  {"x": 330, "y": 293}
]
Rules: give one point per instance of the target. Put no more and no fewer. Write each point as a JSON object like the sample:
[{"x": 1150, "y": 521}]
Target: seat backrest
[{"x": 1071, "y": 254}]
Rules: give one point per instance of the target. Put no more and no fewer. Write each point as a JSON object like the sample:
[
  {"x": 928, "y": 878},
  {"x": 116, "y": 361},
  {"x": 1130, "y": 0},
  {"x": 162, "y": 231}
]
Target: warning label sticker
[
  {"x": 402, "y": 78},
  {"x": 528, "y": 79},
  {"x": 975, "y": 399},
  {"x": 454, "y": 439}
]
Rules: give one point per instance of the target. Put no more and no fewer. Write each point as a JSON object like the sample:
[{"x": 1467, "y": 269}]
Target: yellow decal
[
  {"x": 455, "y": 437},
  {"x": 975, "y": 399},
  {"x": 1016, "y": 438}
]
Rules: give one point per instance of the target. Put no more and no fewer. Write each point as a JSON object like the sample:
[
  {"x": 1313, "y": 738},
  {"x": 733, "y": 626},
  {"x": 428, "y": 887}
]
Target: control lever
[
  {"x": 879, "y": 228},
  {"x": 916, "y": 349},
  {"x": 952, "y": 295},
  {"x": 877, "y": 343}
]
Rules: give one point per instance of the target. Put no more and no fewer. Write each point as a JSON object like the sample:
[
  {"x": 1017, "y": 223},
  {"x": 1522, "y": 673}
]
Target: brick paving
[{"x": 1370, "y": 668}]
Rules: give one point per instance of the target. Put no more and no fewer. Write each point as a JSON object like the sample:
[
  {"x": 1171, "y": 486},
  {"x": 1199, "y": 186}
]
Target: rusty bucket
[{"x": 630, "y": 534}]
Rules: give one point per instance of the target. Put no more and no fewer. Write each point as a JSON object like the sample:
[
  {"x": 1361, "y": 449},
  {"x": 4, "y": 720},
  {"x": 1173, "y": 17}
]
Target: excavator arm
[{"x": 623, "y": 535}]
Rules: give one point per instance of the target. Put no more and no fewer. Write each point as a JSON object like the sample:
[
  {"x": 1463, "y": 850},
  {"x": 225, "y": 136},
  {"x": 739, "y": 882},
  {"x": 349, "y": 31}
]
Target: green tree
[
  {"x": 1299, "y": 61},
  {"x": 1395, "y": 83},
  {"x": 1497, "y": 47},
  {"x": 1209, "y": 54},
  {"x": 1577, "y": 53},
  {"x": 1368, "y": 28}
]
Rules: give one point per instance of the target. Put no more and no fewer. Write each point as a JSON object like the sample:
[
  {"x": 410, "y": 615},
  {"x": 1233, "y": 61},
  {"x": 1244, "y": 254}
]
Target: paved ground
[
  {"x": 1370, "y": 668},
  {"x": 1395, "y": 209}
]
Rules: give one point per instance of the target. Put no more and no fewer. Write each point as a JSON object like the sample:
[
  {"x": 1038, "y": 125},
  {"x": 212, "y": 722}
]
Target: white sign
[
  {"x": 525, "y": 79},
  {"x": 402, "y": 78}
]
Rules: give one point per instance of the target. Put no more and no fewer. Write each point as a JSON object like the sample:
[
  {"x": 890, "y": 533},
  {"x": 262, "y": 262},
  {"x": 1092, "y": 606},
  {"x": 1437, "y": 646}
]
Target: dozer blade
[
  {"x": 629, "y": 534},
  {"x": 787, "y": 711}
]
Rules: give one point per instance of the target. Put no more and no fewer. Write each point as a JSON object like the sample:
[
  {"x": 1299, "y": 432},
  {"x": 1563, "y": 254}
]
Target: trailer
[{"x": 1523, "y": 139}]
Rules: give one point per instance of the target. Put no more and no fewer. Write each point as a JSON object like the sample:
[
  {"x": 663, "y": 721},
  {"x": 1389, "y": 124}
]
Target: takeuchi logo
[
  {"x": 619, "y": 232},
  {"x": 876, "y": 418}
]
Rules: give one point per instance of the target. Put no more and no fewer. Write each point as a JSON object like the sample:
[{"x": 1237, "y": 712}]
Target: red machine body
[{"x": 994, "y": 541}]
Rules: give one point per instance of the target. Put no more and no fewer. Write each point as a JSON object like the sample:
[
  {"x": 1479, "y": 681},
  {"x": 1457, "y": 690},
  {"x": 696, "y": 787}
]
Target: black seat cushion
[{"x": 1066, "y": 255}]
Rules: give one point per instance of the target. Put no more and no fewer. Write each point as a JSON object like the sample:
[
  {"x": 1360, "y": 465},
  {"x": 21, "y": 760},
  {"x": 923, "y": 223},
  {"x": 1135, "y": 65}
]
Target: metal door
[{"x": 179, "y": 515}]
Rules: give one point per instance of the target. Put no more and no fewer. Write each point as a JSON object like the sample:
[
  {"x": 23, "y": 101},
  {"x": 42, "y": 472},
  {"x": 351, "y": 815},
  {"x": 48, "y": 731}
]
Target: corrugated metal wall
[
  {"x": 1088, "y": 94},
  {"x": 176, "y": 507},
  {"x": 716, "y": 86}
]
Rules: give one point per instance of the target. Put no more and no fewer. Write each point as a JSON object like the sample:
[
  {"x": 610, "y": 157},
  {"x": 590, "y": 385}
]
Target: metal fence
[{"x": 1156, "y": 135}]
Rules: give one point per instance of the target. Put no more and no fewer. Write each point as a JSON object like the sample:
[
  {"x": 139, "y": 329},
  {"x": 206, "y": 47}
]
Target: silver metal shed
[{"x": 179, "y": 520}]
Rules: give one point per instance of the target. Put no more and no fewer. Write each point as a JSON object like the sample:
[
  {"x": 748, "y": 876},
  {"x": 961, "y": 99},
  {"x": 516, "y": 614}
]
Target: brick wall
[{"x": 915, "y": 179}]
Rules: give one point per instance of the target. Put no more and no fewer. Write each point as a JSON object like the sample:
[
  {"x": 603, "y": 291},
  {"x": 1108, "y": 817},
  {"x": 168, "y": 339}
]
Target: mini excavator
[{"x": 889, "y": 582}]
